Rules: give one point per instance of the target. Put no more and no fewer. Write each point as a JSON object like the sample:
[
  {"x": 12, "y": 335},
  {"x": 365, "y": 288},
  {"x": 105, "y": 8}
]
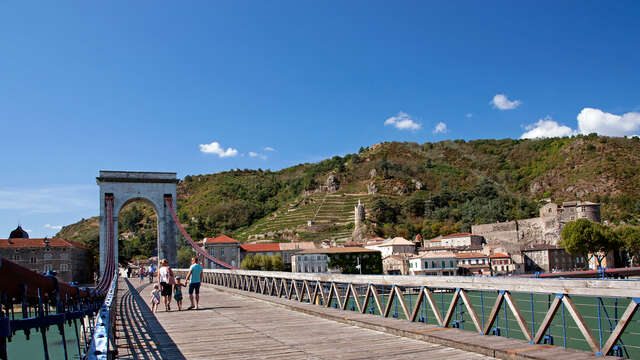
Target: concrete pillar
[{"x": 150, "y": 187}]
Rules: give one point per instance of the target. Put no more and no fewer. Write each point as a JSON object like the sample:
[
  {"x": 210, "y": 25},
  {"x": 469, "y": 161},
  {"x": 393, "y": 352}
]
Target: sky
[{"x": 207, "y": 86}]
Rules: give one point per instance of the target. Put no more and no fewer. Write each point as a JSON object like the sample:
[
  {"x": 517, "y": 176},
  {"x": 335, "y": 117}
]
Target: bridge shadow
[
  {"x": 144, "y": 337},
  {"x": 215, "y": 308}
]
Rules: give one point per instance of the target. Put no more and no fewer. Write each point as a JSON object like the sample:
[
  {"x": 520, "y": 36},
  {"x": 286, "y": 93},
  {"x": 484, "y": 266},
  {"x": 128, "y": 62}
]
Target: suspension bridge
[{"x": 267, "y": 315}]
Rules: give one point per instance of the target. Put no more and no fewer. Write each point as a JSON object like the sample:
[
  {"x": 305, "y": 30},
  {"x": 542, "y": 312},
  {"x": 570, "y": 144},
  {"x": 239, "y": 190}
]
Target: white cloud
[
  {"x": 402, "y": 121},
  {"x": 440, "y": 128},
  {"x": 592, "y": 120},
  {"x": 469, "y": 115},
  {"x": 215, "y": 148},
  {"x": 269, "y": 149},
  {"x": 257, "y": 155},
  {"x": 53, "y": 227},
  {"x": 546, "y": 128},
  {"x": 501, "y": 102}
]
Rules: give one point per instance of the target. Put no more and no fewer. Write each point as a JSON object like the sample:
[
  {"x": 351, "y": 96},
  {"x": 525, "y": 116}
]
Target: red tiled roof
[
  {"x": 266, "y": 247},
  {"x": 221, "y": 239},
  {"x": 345, "y": 250},
  {"x": 499, "y": 255},
  {"x": 39, "y": 243},
  {"x": 470, "y": 255},
  {"x": 457, "y": 235}
]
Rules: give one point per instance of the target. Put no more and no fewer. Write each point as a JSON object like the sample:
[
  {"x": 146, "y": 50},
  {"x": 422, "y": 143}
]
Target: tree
[
  {"x": 588, "y": 239},
  {"x": 276, "y": 263},
  {"x": 629, "y": 237},
  {"x": 184, "y": 256},
  {"x": 385, "y": 210},
  {"x": 249, "y": 263}
]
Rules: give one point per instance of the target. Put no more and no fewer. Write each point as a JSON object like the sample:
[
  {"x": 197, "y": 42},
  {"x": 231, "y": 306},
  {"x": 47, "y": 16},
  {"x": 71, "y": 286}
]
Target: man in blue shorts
[{"x": 194, "y": 273}]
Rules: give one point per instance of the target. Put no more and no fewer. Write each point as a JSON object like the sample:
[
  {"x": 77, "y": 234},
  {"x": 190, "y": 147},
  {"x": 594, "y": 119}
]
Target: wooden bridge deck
[
  {"x": 232, "y": 324},
  {"x": 229, "y": 326}
]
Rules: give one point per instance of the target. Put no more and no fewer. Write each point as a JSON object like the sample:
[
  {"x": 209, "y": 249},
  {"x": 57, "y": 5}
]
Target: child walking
[
  {"x": 155, "y": 298},
  {"x": 177, "y": 292}
]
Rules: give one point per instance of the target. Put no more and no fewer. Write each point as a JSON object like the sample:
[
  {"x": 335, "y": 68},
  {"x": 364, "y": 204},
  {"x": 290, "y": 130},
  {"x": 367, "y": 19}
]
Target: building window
[
  {"x": 64, "y": 267},
  {"x": 32, "y": 260},
  {"x": 222, "y": 252},
  {"x": 48, "y": 256},
  {"x": 451, "y": 263},
  {"x": 16, "y": 257}
]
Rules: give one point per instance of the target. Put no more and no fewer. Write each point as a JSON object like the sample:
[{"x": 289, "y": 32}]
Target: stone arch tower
[
  {"x": 150, "y": 187},
  {"x": 360, "y": 214}
]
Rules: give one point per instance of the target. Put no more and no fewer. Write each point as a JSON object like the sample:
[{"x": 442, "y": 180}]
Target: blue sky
[{"x": 201, "y": 87}]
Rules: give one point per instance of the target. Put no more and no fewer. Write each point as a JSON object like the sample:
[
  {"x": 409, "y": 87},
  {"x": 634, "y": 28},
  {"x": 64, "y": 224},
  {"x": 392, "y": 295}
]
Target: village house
[
  {"x": 222, "y": 248},
  {"x": 397, "y": 245},
  {"x": 438, "y": 263},
  {"x": 473, "y": 263},
  {"x": 396, "y": 264},
  {"x": 502, "y": 264},
  {"x": 69, "y": 259},
  {"x": 548, "y": 258},
  {"x": 455, "y": 240}
]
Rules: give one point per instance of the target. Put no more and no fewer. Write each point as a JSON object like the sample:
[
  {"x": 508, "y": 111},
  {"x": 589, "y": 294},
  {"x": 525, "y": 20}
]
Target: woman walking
[{"x": 166, "y": 280}]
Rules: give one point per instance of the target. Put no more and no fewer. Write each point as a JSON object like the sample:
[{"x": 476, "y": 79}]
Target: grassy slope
[{"x": 245, "y": 202}]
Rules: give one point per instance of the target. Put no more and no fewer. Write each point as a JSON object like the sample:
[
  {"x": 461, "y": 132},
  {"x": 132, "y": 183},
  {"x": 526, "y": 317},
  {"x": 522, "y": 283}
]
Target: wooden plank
[
  {"x": 472, "y": 311},
  {"x": 403, "y": 305},
  {"x": 356, "y": 297},
  {"x": 452, "y": 306},
  {"x": 518, "y": 315},
  {"x": 547, "y": 318},
  {"x": 416, "y": 308},
  {"x": 494, "y": 313},
  {"x": 239, "y": 334},
  {"x": 584, "y": 329},
  {"x": 622, "y": 324},
  {"x": 433, "y": 305}
]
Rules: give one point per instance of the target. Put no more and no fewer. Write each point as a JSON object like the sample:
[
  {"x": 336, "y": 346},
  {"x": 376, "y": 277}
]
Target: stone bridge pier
[{"x": 149, "y": 187}]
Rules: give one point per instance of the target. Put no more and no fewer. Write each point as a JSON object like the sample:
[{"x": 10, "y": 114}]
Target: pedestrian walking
[
  {"x": 141, "y": 274},
  {"x": 195, "y": 272},
  {"x": 166, "y": 281},
  {"x": 155, "y": 298},
  {"x": 177, "y": 292}
]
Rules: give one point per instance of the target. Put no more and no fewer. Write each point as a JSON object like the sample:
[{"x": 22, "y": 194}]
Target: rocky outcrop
[
  {"x": 372, "y": 188},
  {"x": 400, "y": 189},
  {"x": 417, "y": 184},
  {"x": 332, "y": 184}
]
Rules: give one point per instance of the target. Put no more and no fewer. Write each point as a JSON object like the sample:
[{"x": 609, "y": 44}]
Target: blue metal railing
[
  {"x": 103, "y": 338},
  {"x": 33, "y": 303}
]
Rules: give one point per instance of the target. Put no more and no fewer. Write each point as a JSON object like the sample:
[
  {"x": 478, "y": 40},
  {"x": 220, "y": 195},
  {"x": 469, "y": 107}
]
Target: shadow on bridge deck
[
  {"x": 229, "y": 326},
  {"x": 139, "y": 334}
]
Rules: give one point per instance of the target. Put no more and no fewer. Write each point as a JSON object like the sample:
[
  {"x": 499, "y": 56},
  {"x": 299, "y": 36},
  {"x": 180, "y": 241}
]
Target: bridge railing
[
  {"x": 587, "y": 314},
  {"x": 37, "y": 303}
]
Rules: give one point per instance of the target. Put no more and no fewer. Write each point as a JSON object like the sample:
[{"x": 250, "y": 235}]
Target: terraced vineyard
[{"x": 331, "y": 215}]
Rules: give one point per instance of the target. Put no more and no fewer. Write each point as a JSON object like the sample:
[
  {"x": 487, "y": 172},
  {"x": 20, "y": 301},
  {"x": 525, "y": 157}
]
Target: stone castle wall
[{"x": 547, "y": 229}]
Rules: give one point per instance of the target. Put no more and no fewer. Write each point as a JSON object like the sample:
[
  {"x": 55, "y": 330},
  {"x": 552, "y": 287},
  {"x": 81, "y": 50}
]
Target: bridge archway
[{"x": 151, "y": 187}]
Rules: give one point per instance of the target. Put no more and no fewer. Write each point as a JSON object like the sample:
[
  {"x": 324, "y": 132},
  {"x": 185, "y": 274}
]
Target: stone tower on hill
[{"x": 360, "y": 214}]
